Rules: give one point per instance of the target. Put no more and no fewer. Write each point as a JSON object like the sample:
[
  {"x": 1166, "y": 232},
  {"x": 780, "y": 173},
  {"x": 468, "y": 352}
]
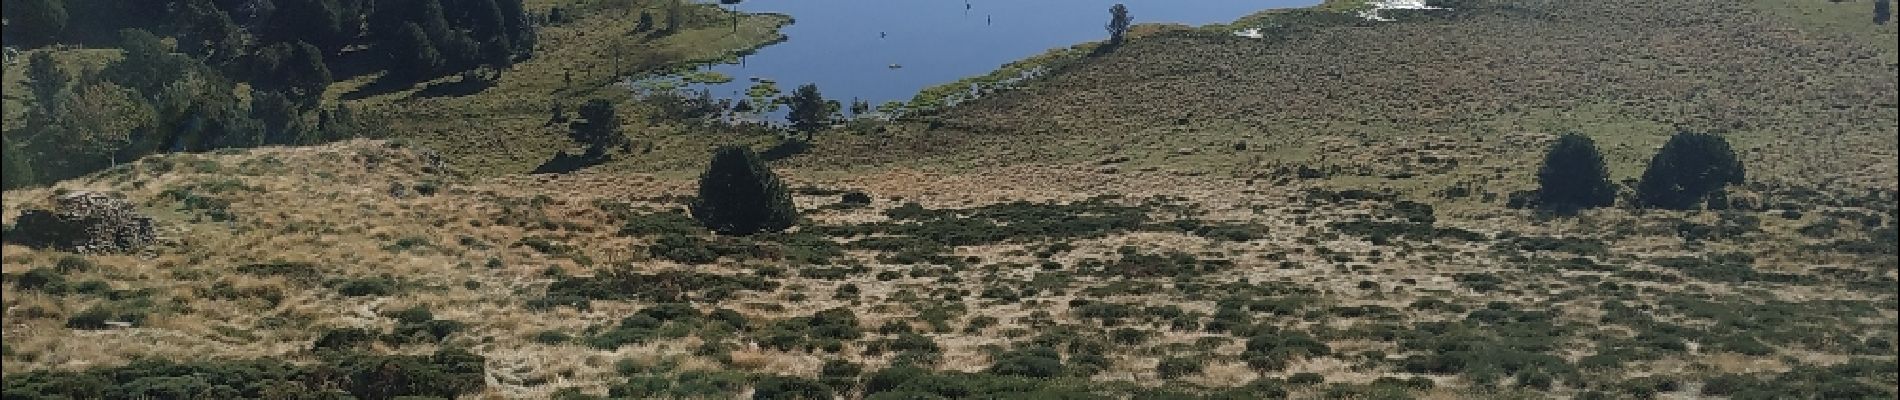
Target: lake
[{"x": 887, "y": 50}]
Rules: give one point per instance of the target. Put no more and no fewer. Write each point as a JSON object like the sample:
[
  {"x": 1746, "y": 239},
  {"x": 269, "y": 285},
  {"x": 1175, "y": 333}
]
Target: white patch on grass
[
  {"x": 1253, "y": 33},
  {"x": 1382, "y": 5}
]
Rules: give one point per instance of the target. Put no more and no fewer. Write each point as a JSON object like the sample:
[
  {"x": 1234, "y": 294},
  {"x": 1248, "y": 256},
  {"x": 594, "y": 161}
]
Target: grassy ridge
[{"x": 1794, "y": 93}]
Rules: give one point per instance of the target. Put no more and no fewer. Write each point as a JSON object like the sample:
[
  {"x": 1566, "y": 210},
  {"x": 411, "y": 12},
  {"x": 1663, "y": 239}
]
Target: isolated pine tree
[
  {"x": 599, "y": 127},
  {"x": 808, "y": 110},
  {"x": 739, "y": 195},
  {"x": 1573, "y": 176},
  {"x": 1118, "y": 23},
  {"x": 1690, "y": 167}
]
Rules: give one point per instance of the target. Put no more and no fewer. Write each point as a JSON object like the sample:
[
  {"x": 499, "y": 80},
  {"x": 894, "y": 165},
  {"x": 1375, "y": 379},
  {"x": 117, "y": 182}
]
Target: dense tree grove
[
  {"x": 433, "y": 38},
  {"x": 295, "y": 70},
  {"x": 33, "y": 22},
  {"x": 1688, "y": 169},
  {"x": 739, "y": 195},
  {"x": 174, "y": 86},
  {"x": 45, "y": 78},
  {"x": 1573, "y": 176}
]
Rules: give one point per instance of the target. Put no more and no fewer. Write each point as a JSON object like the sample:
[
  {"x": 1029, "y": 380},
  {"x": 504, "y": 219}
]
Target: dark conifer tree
[
  {"x": 599, "y": 127},
  {"x": 1689, "y": 168},
  {"x": 411, "y": 54},
  {"x": 296, "y": 69},
  {"x": 739, "y": 195},
  {"x": 35, "y": 22},
  {"x": 208, "y": 32},
  {"x": 809, "y": 112},
  {"x": 1573, "y": 176},
  {"x": 279, "y": 116},
  {"x": 46, "y": 79},
  {"x": 318, "y": 22},
  {"x": 1118, "y": 23}
]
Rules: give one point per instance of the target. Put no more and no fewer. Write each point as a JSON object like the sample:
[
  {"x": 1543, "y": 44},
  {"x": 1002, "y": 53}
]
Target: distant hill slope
[{"x": 1806, "y": 90}]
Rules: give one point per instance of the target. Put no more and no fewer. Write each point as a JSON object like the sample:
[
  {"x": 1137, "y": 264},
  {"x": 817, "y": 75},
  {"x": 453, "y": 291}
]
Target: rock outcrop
[{"x": 85, "y": 222}]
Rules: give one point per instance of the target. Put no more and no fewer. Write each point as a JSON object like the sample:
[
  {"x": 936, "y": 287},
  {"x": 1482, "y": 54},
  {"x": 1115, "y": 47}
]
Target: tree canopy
[
  {"x": 1689, "y": 168},
  {"x": 35, "y": 22},
  {"x": 1118, "y": 23},
  {"x": 739, "y": 195},
  {"x": 599, "y": 127},
  {"x": 1573, "y": 176},
  {"x": 809, "y": 112}
]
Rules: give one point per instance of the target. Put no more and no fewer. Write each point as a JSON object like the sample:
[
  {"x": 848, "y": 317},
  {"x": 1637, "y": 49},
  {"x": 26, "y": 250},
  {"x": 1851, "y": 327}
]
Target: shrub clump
[
  {"x": 1177, "y": 367},
  {"x": 738, "y": 195},
  {"x": 1271, "y": 349},
  {"x": 1034, "y": 362},
  {"x": 448, "y": 373},
  {"x": 664, "y": 286},
  {"x": 1688, "y": 170},
  {"x": 1573, "y": 176}
]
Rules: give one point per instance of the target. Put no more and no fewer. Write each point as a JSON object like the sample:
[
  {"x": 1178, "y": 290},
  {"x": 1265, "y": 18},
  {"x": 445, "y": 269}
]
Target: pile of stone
[{"x": 85, "y": 222}]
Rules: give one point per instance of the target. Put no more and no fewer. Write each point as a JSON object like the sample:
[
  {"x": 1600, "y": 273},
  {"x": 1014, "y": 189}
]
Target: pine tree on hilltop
[
  {"x": 1687, "y": 170},
  {"x": 739, "y": 195},
  {"x": 1573, "y": 176},
  {"x": 1118, "y": 23}
]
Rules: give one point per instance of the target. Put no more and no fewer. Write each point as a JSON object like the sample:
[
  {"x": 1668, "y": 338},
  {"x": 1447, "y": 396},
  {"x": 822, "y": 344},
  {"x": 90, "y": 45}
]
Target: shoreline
[{"x": 935, "y": 98}]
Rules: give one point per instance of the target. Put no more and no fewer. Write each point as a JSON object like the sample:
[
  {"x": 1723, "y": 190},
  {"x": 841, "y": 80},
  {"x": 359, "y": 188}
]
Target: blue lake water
[{"x": 848, "y": 47}]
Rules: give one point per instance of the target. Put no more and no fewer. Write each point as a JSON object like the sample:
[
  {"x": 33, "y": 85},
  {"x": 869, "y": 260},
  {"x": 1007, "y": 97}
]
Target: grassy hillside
[
  {"x": 282, "y": 248},
  {"x": 505, "y": 129},
  {"x": 1807, "y": 97},
  {"x": 1317, "y": 214},
  {"x": 503, "y": 126}
]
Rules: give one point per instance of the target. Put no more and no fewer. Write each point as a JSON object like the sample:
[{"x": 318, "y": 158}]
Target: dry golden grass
[
  {"x": 331, "y": 206},
  {"x": 459, "y": 252}
]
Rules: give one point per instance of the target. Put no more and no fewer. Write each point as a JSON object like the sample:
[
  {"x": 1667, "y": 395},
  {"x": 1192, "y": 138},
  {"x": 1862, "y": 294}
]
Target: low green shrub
[
  {"x": 446, "y": 374},
  {"x": 664, "y": 286},
  {"x": 1178, "y": 367},
  {"x": 1032, "y": 362},
  {"x": 366, "y": 286},
  {"x": 301, "y": 272}
]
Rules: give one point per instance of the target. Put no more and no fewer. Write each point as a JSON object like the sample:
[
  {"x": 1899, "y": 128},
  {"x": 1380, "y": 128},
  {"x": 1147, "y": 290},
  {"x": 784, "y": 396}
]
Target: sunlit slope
[{"x": 1806, "y": 96}]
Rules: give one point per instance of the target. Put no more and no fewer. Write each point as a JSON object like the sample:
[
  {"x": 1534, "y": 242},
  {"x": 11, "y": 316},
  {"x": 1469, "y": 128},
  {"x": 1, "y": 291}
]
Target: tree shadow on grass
[
  {"x": 457, "y": 88},
  {"x": 349, "y": 65},
  {"x": 563, "y": 162},
  {"x": 785, "y": 149},
  {"x": 381, "y": 86}
]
